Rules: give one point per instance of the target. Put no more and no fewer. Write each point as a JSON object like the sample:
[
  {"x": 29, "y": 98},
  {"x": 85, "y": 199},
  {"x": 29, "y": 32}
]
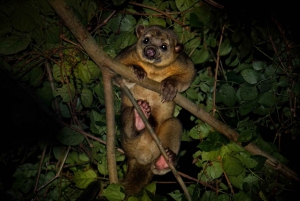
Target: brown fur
[{"x": 158, "y": 55}]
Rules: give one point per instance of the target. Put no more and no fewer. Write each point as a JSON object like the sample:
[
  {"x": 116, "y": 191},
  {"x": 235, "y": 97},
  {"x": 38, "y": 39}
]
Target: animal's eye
[
  {"x": 164, "y": 47},
  {"x": 146, "y": 40}
]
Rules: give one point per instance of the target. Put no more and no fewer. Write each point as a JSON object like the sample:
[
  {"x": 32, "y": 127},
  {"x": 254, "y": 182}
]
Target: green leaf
[
  {"x": 86, "y": 97},
  {"x": 267, "y": 99},
  {"x": 270, "y": 71},
  {"x": 232, "y": 166},
  {"x": 237, "y": 181},
  {"x": 183, "y": 5},
  {"x": 259, "y": 65},
  {"x": 13, "y": 44},
  {"x": 227, "y": 94},
  {"x": 61, "y": 73},
  {"x": 241, "y": 196},
  {"x": 248, "y": 92},
  {"x": 98, "y": 122},
  {"x": 247, "y": 135},
  {"x": 102, "y": 165},
  {"x": 251, "y": 76},
  {"x": 225, "y": 47},
  {"x": 67, "y": 92},
  {"x": 114, "y": 192},
  {"x": 88, "y": 71},
  {"x": 71, "y": 137},
  {"x": 214, "y": 170},
  {"x": 247, "y": 107},
  {"x": 36, "y": 76},
  {"x": 200, "y": 56},
  {"x": 83, "y": 179},
  {"x": 22, "y": 21}
]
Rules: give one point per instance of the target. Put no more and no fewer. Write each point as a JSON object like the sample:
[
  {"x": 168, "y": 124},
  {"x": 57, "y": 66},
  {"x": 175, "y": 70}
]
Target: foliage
[{"x": 254, "y": 88}]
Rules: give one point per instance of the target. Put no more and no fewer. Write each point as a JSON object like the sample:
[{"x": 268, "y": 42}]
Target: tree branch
[{"x": 102, "y": 58}]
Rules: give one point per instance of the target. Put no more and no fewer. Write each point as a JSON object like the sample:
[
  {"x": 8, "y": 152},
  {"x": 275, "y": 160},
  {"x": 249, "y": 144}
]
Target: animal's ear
[
  {"x": 179, "y": 48},
  {"x": 140, "y": 30}
]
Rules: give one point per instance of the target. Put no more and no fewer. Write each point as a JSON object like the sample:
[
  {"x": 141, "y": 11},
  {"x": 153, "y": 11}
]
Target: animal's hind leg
[{"x": 169, "y": 134}]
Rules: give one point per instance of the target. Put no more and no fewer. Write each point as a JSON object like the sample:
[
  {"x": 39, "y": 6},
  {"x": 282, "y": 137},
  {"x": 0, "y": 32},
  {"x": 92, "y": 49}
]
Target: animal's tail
[{"x": 137, "y": 176}]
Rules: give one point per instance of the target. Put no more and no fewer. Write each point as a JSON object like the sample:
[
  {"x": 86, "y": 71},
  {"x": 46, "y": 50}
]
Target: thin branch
[
  {"x": 58, "y": 172},
  {"x": 217, "y": 68},
  {"x": 110, "y": 121}
]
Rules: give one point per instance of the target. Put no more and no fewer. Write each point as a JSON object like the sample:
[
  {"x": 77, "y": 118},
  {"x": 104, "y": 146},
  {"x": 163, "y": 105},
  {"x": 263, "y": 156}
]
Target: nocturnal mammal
[{"x": 157, "y": 55}]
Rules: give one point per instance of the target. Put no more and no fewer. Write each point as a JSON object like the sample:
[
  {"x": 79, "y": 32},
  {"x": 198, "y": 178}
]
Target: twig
[
  {"x": 217, "y": 68},
  {"x": 118, "y": 79},
  {"x": 58, "y": 173},
  {"x": 40, "y": 168}
]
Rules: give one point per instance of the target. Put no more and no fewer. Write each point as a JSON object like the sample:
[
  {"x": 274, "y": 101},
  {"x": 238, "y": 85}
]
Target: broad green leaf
[
  {"x": 64, "y": 110},
  {"x": 242, "y": 67},
  {"x": 251, "y": 76},
  {"x": 36, "y": 76},
  {"x": 67, "y": 92},
  {"x": 157, "y": 21},
  {"x": 83, "y": 179},
  {"x": 246, "y": 159},
  {"x": 24, "y": 184},
  {"x": 247, "y": 107},
  {"x": 214, "y": 170},
  {"x": 232, "y": 166},
  {"x": 247, "y": 135},
  {"x": 270, "y": 71},
  {"x": 245, "y": 47},
  {"x": 237, "y": 181},
  {"x": 114, "y": 192},
  {"x": 22, "y": 21},
  {"x": 259, "y": 65},
  {"x": 241, "y": 196},
  {"x": 86, "y": 97},
  {"x": 267, "y": 99},
  {"x": 151, "y": 187},
  {"x": 83, "y": 157},
  {"x": 227, "y": 94},
  {"x": 88, "y": 71},
  {"x": 222, "y": 197},
  {"x": 96, "y": 120},
  {"x": 200, "y": 56},
  {"x": 261, "y": 110},
  {"x": 61, "y": 72},
  {"x": 102, "y": 165},
  {"x": 210, "y": 156},
  {"x": 183, "y": 5},
  {"x": 71, "y": 137},
  {"x": 44, "y": 92},
  {"x": 13, "y": 44},
  {"x": 248, "y": 92},
  {"x": 225, "y": 47}
]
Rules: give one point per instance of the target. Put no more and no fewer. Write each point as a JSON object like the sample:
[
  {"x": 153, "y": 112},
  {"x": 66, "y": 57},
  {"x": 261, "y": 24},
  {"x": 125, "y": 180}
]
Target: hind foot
[{"x": 145, "y": 107}]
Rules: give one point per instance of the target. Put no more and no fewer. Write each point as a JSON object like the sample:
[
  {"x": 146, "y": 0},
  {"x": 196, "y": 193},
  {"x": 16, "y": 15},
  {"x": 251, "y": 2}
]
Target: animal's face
[{"x": 157, "y": 45}]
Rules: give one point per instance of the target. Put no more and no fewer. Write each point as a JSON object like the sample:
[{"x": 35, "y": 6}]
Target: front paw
[
  {"x": 168, "y": 90},
  {"x": 139, "y": 72}
]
